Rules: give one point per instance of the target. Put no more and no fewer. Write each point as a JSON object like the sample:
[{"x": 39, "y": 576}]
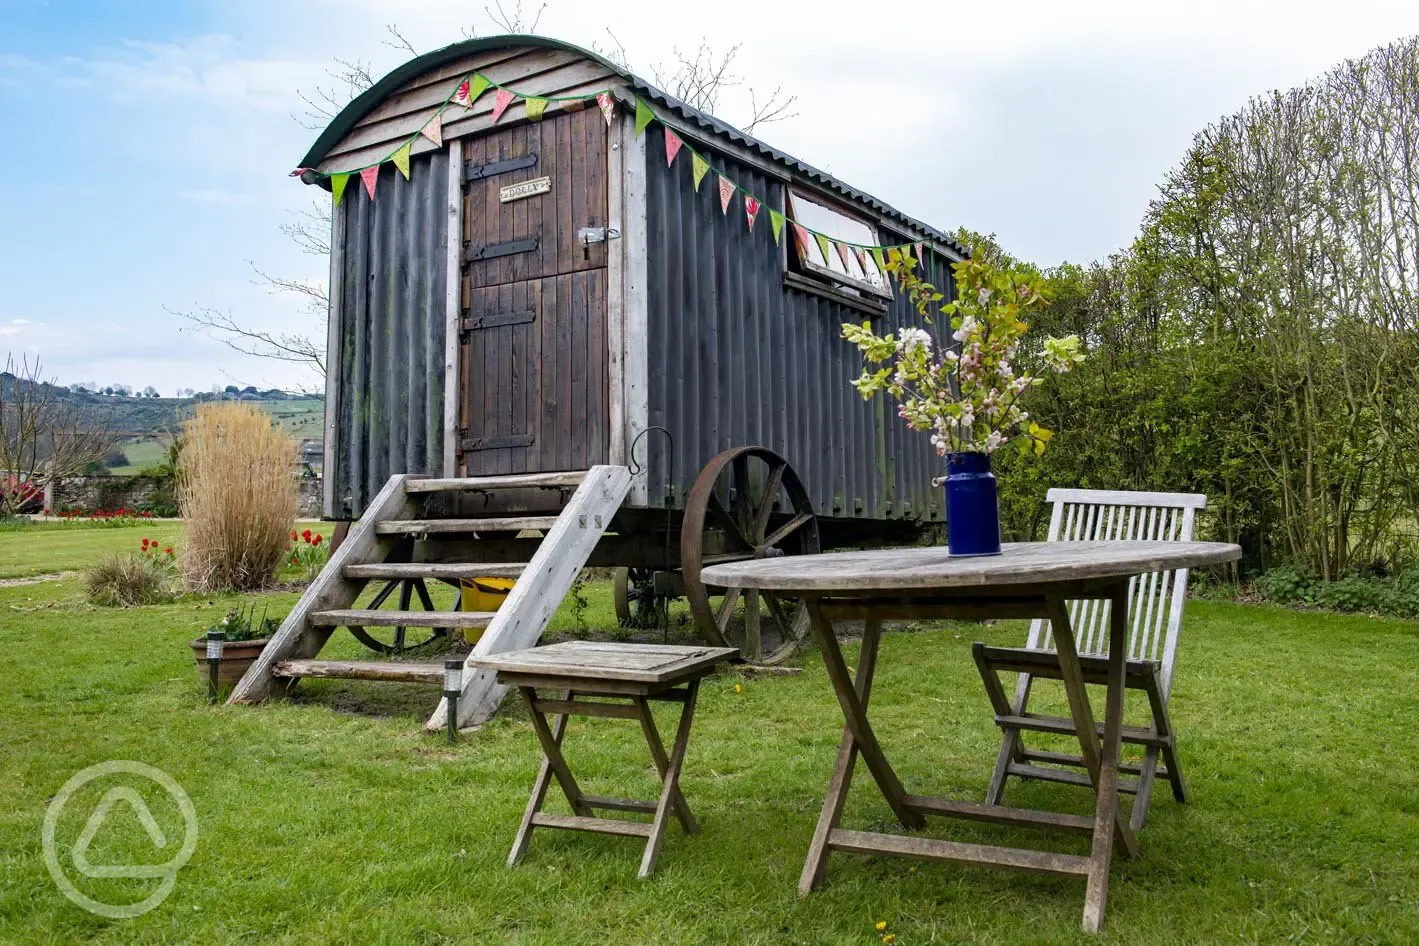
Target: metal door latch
[{"x": 590, "y": 235}]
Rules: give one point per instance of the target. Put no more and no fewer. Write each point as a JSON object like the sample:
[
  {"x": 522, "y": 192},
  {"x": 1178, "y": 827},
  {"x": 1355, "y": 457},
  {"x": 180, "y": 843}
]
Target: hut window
[{"x": 857, "y": 270}]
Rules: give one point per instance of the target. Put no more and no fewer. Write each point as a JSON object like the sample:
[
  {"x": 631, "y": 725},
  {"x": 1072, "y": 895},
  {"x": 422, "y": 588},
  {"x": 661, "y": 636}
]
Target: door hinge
[
  {"x": 477, "y": 172},
  {"x": 494, "y": 250}
]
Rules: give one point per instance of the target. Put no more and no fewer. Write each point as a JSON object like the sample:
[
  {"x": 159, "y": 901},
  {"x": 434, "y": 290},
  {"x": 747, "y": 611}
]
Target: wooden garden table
[{"x": 1029, "y": 580}]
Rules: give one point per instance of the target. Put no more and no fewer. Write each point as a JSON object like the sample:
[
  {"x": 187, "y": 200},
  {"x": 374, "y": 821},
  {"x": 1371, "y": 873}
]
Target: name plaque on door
[{"x": 538, "y": 185}]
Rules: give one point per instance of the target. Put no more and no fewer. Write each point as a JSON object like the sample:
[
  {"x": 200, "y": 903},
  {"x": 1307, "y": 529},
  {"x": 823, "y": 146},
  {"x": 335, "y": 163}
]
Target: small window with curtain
[{"x": 842, "y": 261}]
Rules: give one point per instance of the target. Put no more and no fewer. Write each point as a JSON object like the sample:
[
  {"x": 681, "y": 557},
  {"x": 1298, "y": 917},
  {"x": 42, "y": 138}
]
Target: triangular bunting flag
[
  {"x": 401, "y": 159},
  {"x": 500, "y": 103},
  {"x": 823, "y": 244},
  {"x": 475, "y": 89},
  {"x": 699, "y": 166},
  {"x": 776, "y": 221},
  {"x": 370, "y": 176},
  {"x": 535, "y": 109},
  {"x": 433, "y": 129},
  {"x": 921, "y": 254},
  {"x": 861, "y": 260},
  {"x": 876, "y": 252},
  {"x": 672, "y": 146},
  {"x": 644, "y": 116},
  {"x": 844, "y": 255},
  {"x": 726, "y": 193},
  {"x": 460, "y": 95},
  {"x": 751, "y": 210},
  {"x": 804, "y": 240},
  {"x": 337, "y": 186},
  {"x": 608, "y": 106}
]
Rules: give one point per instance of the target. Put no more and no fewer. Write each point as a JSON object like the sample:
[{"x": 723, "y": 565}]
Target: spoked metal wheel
[
  {"x": 747, "y": 503},
  {"x": 397, "y": 640},
  {"x": 638, "y": 604}
]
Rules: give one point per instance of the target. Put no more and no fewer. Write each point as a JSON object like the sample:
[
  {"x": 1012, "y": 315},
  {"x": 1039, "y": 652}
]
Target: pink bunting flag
[
  {"x": 299, "y": 171},
  {"x": 861, "y": 255},
  {"x": 751, "y": 210},
  {"x": 843, "y": 255},
  {"x": 921, "y": 254},
  {"x": 608, "y": 106},
  {"x": 434, "y": 130},
  {"x": 726, "y": 193},
  {"x": 672, "y": 146},
  {"x": 500, "y": 103},
  {"x": 370, "y": 176},
  {"x": 804, "y": 239}
]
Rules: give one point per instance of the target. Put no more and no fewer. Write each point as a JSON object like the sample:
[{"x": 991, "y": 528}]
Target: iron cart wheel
[
  {"x": 747, "y": 503},
  {"x": 401, "y": 639},
  {"x": 638, "y": 604}
]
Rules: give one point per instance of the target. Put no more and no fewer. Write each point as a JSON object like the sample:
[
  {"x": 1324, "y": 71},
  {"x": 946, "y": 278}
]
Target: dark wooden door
[{"x": 533, "y": 346}]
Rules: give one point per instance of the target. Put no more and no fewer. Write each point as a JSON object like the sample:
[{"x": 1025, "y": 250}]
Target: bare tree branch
[
  {"x": 41, "y": 438},
  {"x": 772, "y": 110},
  {"x": 291, "y": 347},
  {"x": 398, "y": 41}
]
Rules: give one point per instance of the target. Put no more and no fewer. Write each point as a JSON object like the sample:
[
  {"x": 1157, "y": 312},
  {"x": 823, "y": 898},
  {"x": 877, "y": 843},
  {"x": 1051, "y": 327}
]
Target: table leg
[
  {"x": 551, "y": 749},
  {"x": 539, "y": 792},
  {"x": 1100, "y": 757},
  {"x": 662, "y": 764},
  {"x": 856, "y": 718},
  {"x": 670, "y": 790},
  {"x": 833, "y": 802}
]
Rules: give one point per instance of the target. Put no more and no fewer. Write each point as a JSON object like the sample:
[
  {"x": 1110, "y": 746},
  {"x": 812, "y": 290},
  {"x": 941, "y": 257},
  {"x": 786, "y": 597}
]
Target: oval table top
[{"x": 923, "y": 568}]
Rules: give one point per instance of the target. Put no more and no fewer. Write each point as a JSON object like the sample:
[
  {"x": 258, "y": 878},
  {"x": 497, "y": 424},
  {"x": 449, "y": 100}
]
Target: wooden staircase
[{"x": 398, "y": 523}]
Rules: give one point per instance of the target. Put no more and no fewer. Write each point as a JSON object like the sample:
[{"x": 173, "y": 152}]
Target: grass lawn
[{"x": 332, "y": 818}]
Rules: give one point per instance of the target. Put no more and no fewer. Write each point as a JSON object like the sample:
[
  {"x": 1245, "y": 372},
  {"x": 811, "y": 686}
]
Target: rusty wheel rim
[{"x": 753, "y": 499}]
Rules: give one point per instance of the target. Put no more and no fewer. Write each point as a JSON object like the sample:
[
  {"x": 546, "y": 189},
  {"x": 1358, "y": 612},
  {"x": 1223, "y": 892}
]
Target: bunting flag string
[{"x": 470, "y": 89}]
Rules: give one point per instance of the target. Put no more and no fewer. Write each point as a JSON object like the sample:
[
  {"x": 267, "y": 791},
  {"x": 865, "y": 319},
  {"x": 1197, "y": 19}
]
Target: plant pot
[
  {"x": 972, "y": 505},
  {"x": 236, "y": 657}
]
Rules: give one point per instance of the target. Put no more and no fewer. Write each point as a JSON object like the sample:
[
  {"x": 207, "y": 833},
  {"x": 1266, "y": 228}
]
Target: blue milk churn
[{"x": 972, "y": 505}]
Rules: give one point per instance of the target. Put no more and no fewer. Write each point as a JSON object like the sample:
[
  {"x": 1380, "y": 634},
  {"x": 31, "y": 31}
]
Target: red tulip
[
  {"x": 306, "y": 535},
  {"x": 316, "y": 540}
]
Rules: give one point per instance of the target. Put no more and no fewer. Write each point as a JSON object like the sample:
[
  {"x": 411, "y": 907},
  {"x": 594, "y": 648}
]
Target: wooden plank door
[{"x": 533, "y": 348}]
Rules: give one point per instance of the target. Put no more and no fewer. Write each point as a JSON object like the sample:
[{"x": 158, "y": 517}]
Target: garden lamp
[
  {"x": 452, "y": 687},
  {"x": 216, "y": 640}
]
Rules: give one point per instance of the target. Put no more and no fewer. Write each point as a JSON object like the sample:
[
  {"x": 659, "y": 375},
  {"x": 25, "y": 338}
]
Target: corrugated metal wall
[
  {"x": 736, "y": 358},
  {"x": 391, "y": 325}
]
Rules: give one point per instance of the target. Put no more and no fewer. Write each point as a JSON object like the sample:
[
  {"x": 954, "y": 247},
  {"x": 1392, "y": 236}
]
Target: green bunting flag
[
  {"x": 644, "y": 116},
  {"x": 877, "y": 257},
  {"x": 824, "y": 246},
  {"x": 699, "y": 166},
  {"x": 776, "y": 221},
  {"x": 401, "y": 158},
  {"x": 535, "y": 108},
  {"x": 337, "y": 186},
  {"x": 468, "y": 91}
]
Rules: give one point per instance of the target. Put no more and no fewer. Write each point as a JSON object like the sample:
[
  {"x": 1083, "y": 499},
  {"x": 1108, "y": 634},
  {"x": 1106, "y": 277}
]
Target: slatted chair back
[{"x": 1155, "y": 600}]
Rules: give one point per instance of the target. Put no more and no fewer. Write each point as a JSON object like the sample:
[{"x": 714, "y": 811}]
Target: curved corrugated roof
[{"x": 364, "y": 103}]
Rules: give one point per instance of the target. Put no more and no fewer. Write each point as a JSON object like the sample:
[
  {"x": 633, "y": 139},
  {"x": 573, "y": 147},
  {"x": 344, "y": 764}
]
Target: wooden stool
[{"x": 610, "y": 673}]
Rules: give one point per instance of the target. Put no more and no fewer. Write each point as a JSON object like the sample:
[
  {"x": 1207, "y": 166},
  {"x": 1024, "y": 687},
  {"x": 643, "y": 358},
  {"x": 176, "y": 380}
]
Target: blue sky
[{"x": 148, "y": 142}]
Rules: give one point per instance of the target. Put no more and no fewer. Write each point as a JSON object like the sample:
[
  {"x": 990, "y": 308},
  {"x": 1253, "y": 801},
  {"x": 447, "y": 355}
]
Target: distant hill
[{"x": 143, "y": 426}]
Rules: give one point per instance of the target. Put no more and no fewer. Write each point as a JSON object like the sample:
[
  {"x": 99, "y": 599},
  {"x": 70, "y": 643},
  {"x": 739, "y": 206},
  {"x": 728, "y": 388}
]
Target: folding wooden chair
[{"x": 1156, "y": 608}]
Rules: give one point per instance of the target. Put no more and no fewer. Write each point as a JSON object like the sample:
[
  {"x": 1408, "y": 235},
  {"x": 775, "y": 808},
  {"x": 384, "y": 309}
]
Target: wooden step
[
  {"x": 436, "y": 526},
  {"x": 515, "y": 481},
  {"x": 356, "y": 617},
  {"x": 451, "y": 571},
  {"x": 396, "y": 670}
]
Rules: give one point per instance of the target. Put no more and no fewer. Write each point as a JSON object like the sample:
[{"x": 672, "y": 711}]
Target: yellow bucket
[{"x": 483, "y": 594}]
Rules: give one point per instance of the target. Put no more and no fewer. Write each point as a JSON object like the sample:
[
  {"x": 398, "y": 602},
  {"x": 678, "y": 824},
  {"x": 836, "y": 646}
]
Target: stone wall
[{"x": 92, "y": 493}]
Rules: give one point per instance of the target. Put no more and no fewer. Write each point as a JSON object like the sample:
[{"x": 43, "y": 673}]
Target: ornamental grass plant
[{"x": 238, "y": 498}]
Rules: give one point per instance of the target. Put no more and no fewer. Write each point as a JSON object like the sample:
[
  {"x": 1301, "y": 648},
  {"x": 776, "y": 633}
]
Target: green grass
[
  {"x": 142, "y": 453},
  {"x": 332, "y": 818}
]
